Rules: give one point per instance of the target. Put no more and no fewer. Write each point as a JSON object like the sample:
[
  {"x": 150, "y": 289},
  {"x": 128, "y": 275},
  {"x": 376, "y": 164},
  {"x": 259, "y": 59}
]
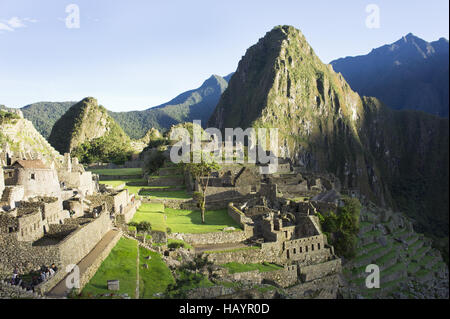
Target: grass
[
  {"x": 180, "y": 194},
  {"x": 183, "y": 221},
  {"x": 156, "y": 278},
  {"x": 179, "y": 241},
  {"x": 165, "y": 176},
  {"x": 120, "y": 265},
  {"x": 117, "y": 171},
  {"x": 235, "y": 267}
]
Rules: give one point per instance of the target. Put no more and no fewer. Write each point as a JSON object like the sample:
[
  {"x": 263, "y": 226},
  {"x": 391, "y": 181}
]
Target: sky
[{"x": 135, "y": 54}]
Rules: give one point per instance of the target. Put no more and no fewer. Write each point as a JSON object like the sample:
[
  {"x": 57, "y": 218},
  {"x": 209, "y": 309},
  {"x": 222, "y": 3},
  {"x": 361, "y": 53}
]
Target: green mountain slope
[
  {"x": 44, "y": 115},
  {"x": 90, "y": 133},
  {"x": 394, "y": 158},
  {"x": 192, "y": 105}
]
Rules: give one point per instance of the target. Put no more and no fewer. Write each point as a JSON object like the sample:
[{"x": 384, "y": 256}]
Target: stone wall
[
  {"x": 118, "y": 177},
  {"x": 8, "y": 291},
  {"x": 2, "y": 181},
  {"x": 28, "y": 257},
  {"x": 166, "y": 181},
  {"x": 212, "y": 238},
  {"x": 285, "y": 277},
  {"x": 312, "y": 272},
  {"x": 245, "y": 256},
  {"x": 297, "y": 249},
  {"x": 130, "y": 210},
  {"x": 33, "y": 180},
  {"x": 80, "y": 243}
]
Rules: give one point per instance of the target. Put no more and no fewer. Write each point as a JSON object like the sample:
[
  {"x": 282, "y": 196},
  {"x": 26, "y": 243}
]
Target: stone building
[
  {"x": 36, "y": 178},
  {"x": 72, "y": 175}
]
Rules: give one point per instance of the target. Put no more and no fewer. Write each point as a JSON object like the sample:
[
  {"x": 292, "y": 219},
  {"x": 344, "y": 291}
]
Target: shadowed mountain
[
  {"x": 394, "y": 158},
  {"x": 408, "y": 74}
]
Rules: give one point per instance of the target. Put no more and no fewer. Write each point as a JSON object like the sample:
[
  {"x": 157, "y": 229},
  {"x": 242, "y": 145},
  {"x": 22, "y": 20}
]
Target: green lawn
[
  {"x": 117, "y": 171},
  {"x": 120, "y": 265},
  {"x": 181, "y": 194},
  {"x": 156, "y": 278},
  {"x": 183, "y": 221},
  {"x": 235, "y": 267}
]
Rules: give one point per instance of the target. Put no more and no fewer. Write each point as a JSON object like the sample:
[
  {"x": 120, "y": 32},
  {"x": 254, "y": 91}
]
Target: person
[
  {"x": 13, "y": 279},
  {"x": 18, "y": 281},
  {"x": 51, "y": 271},
  {"x": 55, "y": 269},
  {"x": 42, "y": 276}
]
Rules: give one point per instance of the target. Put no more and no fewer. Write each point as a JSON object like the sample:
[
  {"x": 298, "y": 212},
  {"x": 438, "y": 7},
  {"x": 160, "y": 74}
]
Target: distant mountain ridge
[
  {"x": 197, "y": 104},
  {"x": 408, "y": 74},
  {"x": 44, "y": 115}
]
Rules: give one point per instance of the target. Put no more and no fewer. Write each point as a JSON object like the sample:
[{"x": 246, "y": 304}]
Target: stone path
[
  {"x": 218, "y": 247},
  {"x": 60, "y": 290}
]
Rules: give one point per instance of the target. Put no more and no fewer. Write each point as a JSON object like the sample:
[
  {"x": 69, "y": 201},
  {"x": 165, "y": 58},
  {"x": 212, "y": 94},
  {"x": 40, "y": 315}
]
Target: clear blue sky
[{"x": 136, "y": 54}]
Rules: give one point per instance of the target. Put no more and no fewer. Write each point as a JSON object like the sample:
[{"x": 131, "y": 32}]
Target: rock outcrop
[{"x": 389, "y": 157}]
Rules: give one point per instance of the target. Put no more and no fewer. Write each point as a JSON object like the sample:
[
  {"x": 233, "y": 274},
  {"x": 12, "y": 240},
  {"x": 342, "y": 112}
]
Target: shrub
[
  {"x": 144, "y": 227},
  {"x": 154, "y": 161},
  {"x": 175, "y": 245},
  {"x": 342, "y": 228}
]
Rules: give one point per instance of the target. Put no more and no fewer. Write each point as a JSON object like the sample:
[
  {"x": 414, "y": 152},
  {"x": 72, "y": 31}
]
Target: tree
[
  {"x": 201, "y": 172},
  {"x": 342, "y": 228}
]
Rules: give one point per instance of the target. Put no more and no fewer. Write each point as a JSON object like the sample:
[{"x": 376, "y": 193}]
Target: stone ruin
[{"x": 45, "y": 212}]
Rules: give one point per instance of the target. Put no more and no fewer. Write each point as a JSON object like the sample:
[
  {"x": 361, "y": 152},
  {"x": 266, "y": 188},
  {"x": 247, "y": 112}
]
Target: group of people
[{"x": 44, "y": 274}]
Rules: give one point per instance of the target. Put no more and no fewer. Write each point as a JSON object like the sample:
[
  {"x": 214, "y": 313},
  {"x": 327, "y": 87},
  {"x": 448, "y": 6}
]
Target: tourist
[
  {"x": 42, "y": 276},
  {"x": 55, "y": 269},
  {"x": 18, "y": 281},
  {"x": 13, "y": 279},
  {"x": 51, "y": 271}
]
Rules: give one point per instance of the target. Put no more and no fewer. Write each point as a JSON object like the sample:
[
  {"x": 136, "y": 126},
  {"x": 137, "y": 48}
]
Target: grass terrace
[
  {"x": 183, "y": 221},
  {"x": 235, "y": 267},
  {"x": 155, "y": 278},
  {"x": 119, "y": 265},
  {"x": 117, "y": 171},
  {"x": 132, "y": 189}
]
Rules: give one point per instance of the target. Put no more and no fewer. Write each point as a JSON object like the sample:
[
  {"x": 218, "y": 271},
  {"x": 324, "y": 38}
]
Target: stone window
[
  {"x": 295, "y": 251},
  {"x": 11, "y": 229},
  {"x": 306, "y": 248},
  {"x": 301, "y": 250},
  {"x": 318, "y": 246},
  {"x": 33, "y": 176},
  {"x": 312, "y": 247}
]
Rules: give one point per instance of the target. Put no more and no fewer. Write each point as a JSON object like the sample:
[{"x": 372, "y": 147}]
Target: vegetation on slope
[
  {"x": 342, "y": 228},
  {"x": 192, "y": 105},
  {"x": 89, "y": 133}
]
